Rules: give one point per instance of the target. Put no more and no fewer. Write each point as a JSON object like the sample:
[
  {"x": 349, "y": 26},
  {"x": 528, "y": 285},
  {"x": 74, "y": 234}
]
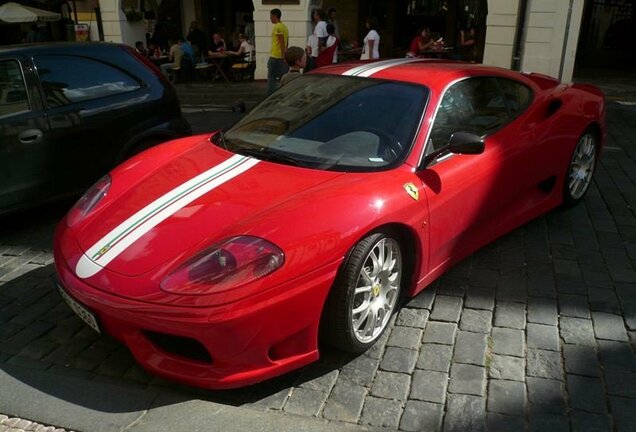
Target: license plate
[{"x": 87, "y": 316}]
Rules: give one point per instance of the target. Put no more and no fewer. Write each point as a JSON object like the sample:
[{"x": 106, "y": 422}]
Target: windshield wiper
[
  {"x": 219, "y": 139},
  {"x": 265, "y": 153}
]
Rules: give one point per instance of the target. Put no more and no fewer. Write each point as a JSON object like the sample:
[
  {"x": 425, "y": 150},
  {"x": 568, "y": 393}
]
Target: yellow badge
[
  {"x": 411, "y": 189},
  {"x": 102, "y": 251}
]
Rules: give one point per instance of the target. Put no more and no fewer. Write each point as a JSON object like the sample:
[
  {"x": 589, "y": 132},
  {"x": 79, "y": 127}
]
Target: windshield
[{"x": 332, "y": 122}]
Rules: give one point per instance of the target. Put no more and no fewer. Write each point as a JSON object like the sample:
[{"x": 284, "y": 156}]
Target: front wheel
[
  {"x": 365, "y": 294},
  {"x": 581, "y": 169}
]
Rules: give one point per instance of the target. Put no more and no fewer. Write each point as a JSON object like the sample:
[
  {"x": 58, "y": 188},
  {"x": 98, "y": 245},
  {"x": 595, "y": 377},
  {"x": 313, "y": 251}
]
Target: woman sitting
[
  {"x": 245, "y": 49},
  {"x": 421, "y": 43},
  {"x": 243, "y": 66}
]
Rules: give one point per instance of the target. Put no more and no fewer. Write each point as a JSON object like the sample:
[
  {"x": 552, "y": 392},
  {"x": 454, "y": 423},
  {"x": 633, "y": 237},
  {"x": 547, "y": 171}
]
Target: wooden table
[{"x": 217, "y": 60}]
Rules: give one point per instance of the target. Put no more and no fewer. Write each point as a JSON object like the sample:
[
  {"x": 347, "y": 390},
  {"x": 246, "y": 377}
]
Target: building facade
[{"x": 530, "y": 35}]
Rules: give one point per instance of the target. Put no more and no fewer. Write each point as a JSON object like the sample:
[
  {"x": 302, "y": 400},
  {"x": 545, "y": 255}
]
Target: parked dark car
[{"x": 69, "y": 112}]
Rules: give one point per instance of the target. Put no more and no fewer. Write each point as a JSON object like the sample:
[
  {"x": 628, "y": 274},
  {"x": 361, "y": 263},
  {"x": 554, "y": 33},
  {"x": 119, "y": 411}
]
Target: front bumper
[{"x": 246, "y": 342}]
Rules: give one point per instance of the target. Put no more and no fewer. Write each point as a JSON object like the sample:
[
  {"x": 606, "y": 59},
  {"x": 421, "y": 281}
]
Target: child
[
  {"x": 296, "y": 58},
  {"x": 139, "y": 47},
  {"x": 329, "y": 53}
]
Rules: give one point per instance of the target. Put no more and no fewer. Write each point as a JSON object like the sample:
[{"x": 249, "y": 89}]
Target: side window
[
  {"x": 69, "y": 79},
  {"x": 472, "y": 105},
  {"x": 13, "y": 94},
  {"x": 518, "y": 97}
]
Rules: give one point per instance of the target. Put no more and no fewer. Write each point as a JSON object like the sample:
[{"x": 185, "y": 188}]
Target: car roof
[
  {"x": 433, "y": 73},
  {"x": 42, "y": 47}
]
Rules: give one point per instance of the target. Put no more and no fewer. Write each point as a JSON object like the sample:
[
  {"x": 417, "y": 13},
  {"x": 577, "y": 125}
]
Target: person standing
[
  {"x": 331, "y": 19},
  {"x": 196, "y": 37},
  {"x": 276, "y": 66},
  {"x": 329, "y": 53},
  {"x": 467, "y": 43},
  {"x": 318, "y": 39},
  {"x": 371, "y": 49}
]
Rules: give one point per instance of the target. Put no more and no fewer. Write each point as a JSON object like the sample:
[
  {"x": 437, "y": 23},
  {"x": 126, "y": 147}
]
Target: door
[
  {"x": 26, "y": 172},
  {"x": 468, "y": 194},
  {"x": 91, "y": 106}
]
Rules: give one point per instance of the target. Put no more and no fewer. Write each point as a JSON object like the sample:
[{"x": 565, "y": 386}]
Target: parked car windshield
[{"x": 332, "y": 122}]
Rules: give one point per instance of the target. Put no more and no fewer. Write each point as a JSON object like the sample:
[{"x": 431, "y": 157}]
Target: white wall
[
  {"x": 549, "y": 45},
  {"x": 501, "y": 24},
  {"x": 116, "y": 27}
]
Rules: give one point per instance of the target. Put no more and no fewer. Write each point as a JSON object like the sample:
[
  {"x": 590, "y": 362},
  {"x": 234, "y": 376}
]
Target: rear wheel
[
  {"x": 581, "y": 169},
  {"x": 365, "y": 294}
]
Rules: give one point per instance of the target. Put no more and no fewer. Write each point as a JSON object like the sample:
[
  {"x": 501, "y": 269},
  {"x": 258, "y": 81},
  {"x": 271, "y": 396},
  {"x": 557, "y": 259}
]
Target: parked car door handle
[{"x": 31, "y": 136}]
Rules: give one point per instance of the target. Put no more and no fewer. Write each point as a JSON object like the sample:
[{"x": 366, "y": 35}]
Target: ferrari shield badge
[{"x": 411, "y": 189}]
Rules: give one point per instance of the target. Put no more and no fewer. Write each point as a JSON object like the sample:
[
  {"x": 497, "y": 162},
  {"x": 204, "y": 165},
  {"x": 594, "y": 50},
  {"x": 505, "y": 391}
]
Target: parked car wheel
[
  {"x": 581, "y": 169},
  {"x": 365, "y": 295}
]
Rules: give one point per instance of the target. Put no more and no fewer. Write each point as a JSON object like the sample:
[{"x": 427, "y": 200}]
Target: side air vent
[
  {"x": 553, "y": 106},
  {"x": 548, "y": 184}
]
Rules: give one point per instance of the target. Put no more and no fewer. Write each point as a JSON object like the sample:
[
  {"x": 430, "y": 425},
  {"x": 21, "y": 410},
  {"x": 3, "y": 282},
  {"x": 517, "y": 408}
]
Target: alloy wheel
[
  {"x": 582, "y": 166},
  {"x": 376, "y": 290}
]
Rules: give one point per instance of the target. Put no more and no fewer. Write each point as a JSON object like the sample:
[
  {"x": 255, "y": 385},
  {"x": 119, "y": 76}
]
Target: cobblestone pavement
[
  {"x": 535, "y": 332},
  {"x": 13, "y": 424}
]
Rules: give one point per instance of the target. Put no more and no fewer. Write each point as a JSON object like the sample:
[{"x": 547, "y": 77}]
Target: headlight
[
  {"x": 224, "y": 266},
  {"x": 88, "y": 201}
]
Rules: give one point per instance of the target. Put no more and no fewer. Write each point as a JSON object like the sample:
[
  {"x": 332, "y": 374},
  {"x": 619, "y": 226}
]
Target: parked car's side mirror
[{"x": 459, "y": 143}]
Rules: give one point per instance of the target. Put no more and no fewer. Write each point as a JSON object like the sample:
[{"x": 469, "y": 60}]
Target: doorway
[{"x": 606, "y": 37}]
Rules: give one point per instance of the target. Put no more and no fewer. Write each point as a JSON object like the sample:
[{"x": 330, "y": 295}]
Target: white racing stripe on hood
[
  {"x": 370, "y": 68},
  {"x": 126, "y": 233}
]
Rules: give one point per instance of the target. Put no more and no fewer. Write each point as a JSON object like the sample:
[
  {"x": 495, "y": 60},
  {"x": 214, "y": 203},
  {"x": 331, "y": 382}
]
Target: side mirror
[
  {"x": 459, "y": 143},
  {"x": 465, "y": 143}
]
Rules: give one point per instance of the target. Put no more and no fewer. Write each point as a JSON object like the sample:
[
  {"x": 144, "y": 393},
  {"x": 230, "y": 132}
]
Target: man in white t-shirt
[{"x": 317, "y": 39}]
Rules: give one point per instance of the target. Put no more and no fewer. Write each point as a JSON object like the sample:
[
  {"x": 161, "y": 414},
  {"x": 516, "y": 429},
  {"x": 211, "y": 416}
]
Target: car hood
[{"x": 184, "y": 203}]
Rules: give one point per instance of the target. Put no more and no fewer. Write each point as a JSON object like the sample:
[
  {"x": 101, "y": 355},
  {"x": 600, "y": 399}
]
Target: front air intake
[{"x": 180, "y": 346}]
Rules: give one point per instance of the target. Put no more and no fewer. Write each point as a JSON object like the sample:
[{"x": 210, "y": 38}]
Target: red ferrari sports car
[{"x": 219, "y": 260}]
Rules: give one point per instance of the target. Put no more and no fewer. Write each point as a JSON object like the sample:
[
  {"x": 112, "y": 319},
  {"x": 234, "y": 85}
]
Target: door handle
[{"x": 30, "y": 136}]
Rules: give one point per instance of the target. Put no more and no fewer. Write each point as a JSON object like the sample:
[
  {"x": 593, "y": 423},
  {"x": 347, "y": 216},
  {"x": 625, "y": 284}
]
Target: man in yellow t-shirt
[{"x": 276, "y": 66}]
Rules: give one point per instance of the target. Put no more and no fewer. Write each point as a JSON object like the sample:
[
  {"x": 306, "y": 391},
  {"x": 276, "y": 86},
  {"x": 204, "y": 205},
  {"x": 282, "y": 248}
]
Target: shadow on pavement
[{"x": 535, "y": 330}]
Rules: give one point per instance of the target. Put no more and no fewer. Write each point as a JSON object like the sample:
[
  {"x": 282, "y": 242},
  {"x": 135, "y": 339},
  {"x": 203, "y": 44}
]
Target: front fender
[{"x": 324, "y": 224}]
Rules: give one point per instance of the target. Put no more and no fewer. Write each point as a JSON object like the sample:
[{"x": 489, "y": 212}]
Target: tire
[
  {"x": 365, "y": 294},
  {"x": 581, "y": 169}
]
